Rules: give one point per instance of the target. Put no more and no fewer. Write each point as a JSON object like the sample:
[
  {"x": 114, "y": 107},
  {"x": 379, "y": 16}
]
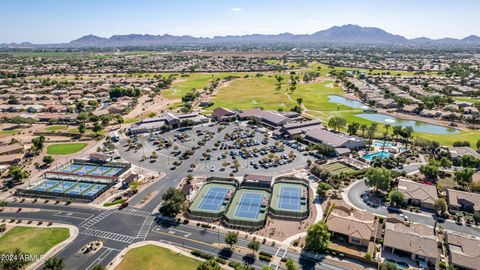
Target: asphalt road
[
  {"x": 359, "y": 187},
  {"x": 118, "y": 229}
]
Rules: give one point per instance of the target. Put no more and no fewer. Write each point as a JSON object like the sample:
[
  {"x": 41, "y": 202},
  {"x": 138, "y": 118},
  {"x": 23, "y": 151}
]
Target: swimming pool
[{"x": 381, "y": 154}]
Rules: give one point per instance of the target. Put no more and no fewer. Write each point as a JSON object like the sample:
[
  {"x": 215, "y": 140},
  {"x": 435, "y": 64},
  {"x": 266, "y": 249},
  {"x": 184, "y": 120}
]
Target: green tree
[
  {"x": 267, "y": 268},
  {"x": 318, "y": 237},
  {"x": 211, "y": 264},
  {"x": 440, "y": 206},
  {"x": 82, "y": 128},
  {"x": 38, "y": 144},
  {"x": 17, "y": 173},
  {"x": 254, "y": 245},
  {"x": 337, "y": 123},
  {"x": 231, "y": 238},
  {"x": 378, "y": 178},
  {"x": 323, "y": 188},
  {"x": 445, "y": 162},
  {"x": 352, "y": 128},
  {"x": 173, "y": 201},
  {"x": 396, "y": 197},
  {"x": 430, "y": 171},
  {"x": 48, "y": 159},
  {"x": 464, "y": 175},
  {"x": 97, "y": 127},
  {"x": 291, "y": 264},
  {"x": 54, "y": 263}
]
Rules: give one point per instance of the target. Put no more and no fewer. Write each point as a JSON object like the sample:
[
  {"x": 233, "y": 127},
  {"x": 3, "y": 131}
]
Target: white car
[{"x": 212, "y": 169}]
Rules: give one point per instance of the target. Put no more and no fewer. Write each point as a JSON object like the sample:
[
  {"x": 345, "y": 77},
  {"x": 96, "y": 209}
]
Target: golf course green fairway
[
  {"x": 65, "y": 148},
  {"x": 247, "y": 93},
  {"x": 151, "y": 257},
  {"x": 35, "y": 241},
  {"x": 55, "y": 128}
]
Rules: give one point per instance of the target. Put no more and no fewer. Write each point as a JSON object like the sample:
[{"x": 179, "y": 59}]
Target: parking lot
[{"x": 220, "y": 150}]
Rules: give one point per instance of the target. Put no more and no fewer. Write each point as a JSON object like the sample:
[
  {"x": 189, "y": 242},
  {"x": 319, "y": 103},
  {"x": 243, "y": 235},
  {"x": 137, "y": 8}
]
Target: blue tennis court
[
  {"x": 71, "y": 168},
  {"x": 79, "y": 188},
  {"x": 214, "y": 198},
  {"x": 100, "y": 170},
  {"x": 112, "y": 171},
  {"x": 249, "y": 206},
  {"x": 85, "y": 169},
  {"x": 45, "y": 185},
  {"x": 63, "y": 186},
  {"x": 290, "y": 198},
  {"x": 94, "y": 190}
]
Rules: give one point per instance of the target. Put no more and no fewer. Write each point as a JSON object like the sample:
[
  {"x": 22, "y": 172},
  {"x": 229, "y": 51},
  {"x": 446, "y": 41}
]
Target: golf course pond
[
  {"x": 416, "y": 125},
  {"x": 347, "y": 102}
]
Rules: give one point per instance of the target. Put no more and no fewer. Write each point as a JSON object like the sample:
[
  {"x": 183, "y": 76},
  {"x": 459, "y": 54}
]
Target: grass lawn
[
  {"x": 152, "y": 257},
  {"x": 131, "y": 120},
  {"x": 55, "y": 128},
  {"x": 107, "y": 204},
  {"x": 247, "y": 93},
  {"x": 65, "y": 148},
  {"x": 35, "y": 241},
  {"x": 8, "y": 131}
]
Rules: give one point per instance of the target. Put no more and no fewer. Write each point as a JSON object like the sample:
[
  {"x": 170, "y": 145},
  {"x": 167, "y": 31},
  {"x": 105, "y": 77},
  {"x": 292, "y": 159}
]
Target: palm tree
[{"x": 363, "y": 128}]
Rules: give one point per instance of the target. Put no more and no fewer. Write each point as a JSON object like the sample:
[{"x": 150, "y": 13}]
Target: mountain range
[{"x": 346, "y": 34}]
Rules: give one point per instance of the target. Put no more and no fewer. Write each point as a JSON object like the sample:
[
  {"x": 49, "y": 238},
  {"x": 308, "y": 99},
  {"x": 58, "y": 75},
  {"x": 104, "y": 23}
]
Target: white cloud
[{"x": 236, "y": 9}]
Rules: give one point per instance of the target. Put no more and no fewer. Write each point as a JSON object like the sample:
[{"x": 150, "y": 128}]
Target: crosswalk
[
  {"x": 277, "y": 258},
  {"x": 135, "y": 212},
  {"x": 90, "y": 222},
  {"x": 109, "y": 235},
  {"x": 142, "y": 234}
]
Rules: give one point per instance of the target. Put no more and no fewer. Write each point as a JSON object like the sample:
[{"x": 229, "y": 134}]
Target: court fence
[
  {"x": 240, "y": 223},
  {"x": 60, "y": 195},
  {"x": 286, "y": 214},
  {"x": 212, "y": 216}
]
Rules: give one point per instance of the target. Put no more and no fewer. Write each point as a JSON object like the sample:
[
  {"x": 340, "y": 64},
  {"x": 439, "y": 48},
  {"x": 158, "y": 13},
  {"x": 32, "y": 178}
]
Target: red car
[{"x": 123, "y": 205}]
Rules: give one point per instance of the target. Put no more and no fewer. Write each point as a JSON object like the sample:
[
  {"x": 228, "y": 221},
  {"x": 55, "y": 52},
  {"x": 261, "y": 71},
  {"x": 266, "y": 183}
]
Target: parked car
[{"x": 123, "y": 205}]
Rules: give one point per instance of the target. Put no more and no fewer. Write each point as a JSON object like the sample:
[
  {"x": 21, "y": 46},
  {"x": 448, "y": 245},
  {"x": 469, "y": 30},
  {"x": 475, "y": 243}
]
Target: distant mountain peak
[{"x": 344, "y": 34}]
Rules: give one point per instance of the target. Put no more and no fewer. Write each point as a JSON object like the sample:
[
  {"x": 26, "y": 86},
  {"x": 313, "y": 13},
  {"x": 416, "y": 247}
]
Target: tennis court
[
  {"x": 96, "y": 188},
  {"x": 96, "y": 170},
  {"x": 45, "y": 185},
  {"x": 214, "y": 199},
  {"x": 249, "y": 206},
  {"x": 63, "y": 186},
  {"x": 289, "y": 198},
  {"x": 79, "y": 188}
]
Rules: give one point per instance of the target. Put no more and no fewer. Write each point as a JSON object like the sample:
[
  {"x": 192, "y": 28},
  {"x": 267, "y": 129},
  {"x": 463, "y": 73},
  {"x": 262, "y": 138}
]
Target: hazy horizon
[{"x": 55, "y": 21}]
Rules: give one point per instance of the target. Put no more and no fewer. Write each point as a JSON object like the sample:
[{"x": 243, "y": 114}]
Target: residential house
[
  {"x": 463, "y": 201},
  {"x": 415, "y": 241},
  {"x": 352, "y": 226},
  {"x": 418, "y": 194}
]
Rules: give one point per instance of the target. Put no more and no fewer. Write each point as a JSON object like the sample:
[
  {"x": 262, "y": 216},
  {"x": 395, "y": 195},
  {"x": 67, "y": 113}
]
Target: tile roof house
[
  {"x": 464, "y": 250},
  {"x": 419, "y": 194},
  {"x": 353, "y": 226},
  {"x": 416, "y": 241},
  {"x": 463, "y": 201}
]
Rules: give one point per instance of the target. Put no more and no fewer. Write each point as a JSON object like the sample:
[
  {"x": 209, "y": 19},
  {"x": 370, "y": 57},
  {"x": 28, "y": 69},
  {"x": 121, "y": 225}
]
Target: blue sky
[{"x": 49, "y": 21}]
